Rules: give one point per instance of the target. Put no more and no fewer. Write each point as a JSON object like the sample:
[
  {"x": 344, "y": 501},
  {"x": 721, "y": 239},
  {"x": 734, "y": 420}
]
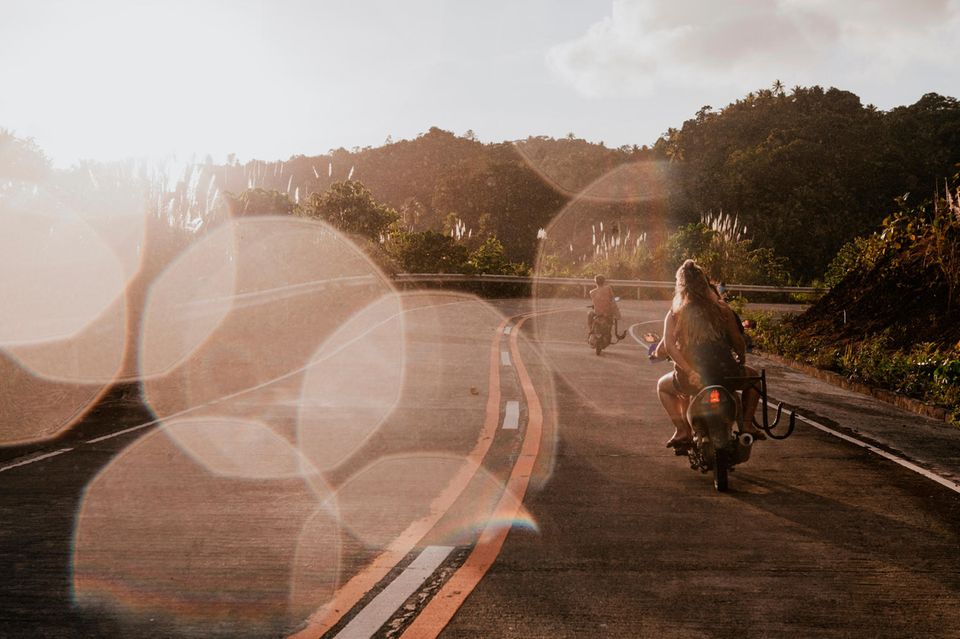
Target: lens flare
[
  {"x": 385, "y": 498},
  {"x": 232, "y": 447},
  {"x": 33, "y": 409},
  {"x": 162, "y": 543},
  {"x": 611, "y": 227},
  {"x": 627, "y": 182},
  {"x": 187, "y": 302},
  {"x": 610, "y": 222},
  {"x": 58, "y": 273},
  {"x": 63, "y": 289},
  {"x": 63, "y": 332},
  {"x": 352, "y": 383},
  {"x": 294, "y": 283}
]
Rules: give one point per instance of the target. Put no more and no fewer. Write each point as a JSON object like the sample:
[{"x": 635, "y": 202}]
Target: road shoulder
[{"x": 929, "y": 442}]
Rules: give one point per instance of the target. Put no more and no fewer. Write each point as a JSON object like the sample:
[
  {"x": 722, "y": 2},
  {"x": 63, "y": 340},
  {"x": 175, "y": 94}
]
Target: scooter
[
  {"x": 602, "y": 330},
  {"x": 719, "y": 439},
  {"x": 716, "y": 415}
]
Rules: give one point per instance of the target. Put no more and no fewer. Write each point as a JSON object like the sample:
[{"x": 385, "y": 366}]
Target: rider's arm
[
  {"x": 613, "y": 302},
  {"x": 670, "y": 342}
]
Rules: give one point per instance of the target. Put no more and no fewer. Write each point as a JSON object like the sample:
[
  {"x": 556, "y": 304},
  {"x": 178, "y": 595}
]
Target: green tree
[
  {"x": 805, "y": 172},
  {"x": 490, "y": 258},
  {"x": 349, "y": 206},
  {"x": 691, "y": 241},
  {"x": 425, "y": 252}
]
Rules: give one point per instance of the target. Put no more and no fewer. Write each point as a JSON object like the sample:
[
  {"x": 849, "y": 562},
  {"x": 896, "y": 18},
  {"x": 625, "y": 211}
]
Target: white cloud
[{"x": 647, "y": 45}]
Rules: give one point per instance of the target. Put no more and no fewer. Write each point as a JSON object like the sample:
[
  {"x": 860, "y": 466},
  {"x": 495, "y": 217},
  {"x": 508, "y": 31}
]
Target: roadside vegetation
[{"x": 892, "y": 317}]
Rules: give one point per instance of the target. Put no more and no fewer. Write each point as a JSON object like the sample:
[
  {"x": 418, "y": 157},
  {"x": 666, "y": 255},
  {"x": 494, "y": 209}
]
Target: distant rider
[{"x": 604, "y": 302}]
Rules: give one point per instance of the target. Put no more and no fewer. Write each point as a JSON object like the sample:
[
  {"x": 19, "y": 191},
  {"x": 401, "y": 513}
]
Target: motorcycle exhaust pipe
[{"x": 745, "y": 439}]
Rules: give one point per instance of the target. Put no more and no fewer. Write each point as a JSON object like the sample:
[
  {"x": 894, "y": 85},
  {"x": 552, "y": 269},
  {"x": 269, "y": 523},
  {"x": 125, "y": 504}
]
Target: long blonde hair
[{"x": 697, "y": 307}]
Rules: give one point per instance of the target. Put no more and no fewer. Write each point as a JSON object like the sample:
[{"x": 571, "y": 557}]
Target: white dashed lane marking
[
  {"x": 383, "y": 606},
  {"x": 511, "y": 418}
]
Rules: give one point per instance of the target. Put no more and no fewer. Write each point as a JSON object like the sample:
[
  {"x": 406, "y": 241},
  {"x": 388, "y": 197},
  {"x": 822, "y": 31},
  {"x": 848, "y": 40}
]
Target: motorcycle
[
  {"x": 716, "y": 415},
  {"x": 719, "y": 439},
  {"x": 602, "y": 330}
]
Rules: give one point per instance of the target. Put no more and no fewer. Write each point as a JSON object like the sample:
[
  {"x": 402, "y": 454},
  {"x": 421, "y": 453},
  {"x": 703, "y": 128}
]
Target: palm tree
[{"x": 777, "y": 88}]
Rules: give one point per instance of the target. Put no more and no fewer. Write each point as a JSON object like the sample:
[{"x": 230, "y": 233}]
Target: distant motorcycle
[
  {"x": 603, "y": 329},
  {"x": 716, "y": 415}
]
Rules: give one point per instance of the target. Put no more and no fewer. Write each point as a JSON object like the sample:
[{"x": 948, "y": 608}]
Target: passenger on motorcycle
[
  {"x": 703, "y": 337},
  {"x": 604, "y": 302}
]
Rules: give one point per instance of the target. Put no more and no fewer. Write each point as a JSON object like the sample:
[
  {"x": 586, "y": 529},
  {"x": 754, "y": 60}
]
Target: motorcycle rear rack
[{"x": 766, "y": 426}]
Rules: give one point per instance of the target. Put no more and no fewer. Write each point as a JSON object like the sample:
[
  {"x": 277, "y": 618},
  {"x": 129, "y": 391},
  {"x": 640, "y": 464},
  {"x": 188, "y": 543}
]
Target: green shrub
[
  {"x": 925, "y": 372},
  {"x": 947, "y": 373},
  {"x": 859, "y": 253}
]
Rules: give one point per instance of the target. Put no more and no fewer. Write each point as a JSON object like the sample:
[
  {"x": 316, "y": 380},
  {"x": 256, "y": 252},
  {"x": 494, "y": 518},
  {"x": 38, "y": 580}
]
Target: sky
[{"x": 268, "y": 79}]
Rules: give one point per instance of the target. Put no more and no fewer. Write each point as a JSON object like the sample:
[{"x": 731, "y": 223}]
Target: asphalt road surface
[{"x": 470, "y": 470}]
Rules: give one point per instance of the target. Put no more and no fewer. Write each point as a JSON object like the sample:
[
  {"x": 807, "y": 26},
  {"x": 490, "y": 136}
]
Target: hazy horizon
[{"x": 107, "y": 79}]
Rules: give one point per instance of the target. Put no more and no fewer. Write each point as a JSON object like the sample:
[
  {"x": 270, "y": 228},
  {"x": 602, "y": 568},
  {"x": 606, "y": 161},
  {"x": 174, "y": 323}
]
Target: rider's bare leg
[
  {"x": 676, "y": 406},
  {"x": 751, "y": 399}
]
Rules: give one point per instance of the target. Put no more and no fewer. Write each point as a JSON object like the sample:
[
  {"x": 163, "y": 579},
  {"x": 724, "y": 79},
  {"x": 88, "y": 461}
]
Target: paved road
[{"x": 347, "y": 497}]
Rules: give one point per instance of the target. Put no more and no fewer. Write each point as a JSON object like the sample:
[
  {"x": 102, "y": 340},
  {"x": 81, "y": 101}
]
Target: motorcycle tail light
[{"x": 713, "y": 403}]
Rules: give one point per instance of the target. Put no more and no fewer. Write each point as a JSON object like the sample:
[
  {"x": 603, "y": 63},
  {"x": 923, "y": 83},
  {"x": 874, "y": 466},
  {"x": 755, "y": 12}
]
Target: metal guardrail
[{"x": 450, "y": 278}]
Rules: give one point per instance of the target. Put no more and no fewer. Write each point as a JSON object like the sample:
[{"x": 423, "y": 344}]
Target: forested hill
[
  {"x": 808, "y": 170},
  {"x": 803, "y": 172},
  {"x": 510, "y": 190}
]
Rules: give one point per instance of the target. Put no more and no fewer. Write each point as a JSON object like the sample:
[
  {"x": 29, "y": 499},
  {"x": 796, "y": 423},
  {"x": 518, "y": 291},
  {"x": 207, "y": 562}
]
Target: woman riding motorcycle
[{"x": 703, "y": 337}]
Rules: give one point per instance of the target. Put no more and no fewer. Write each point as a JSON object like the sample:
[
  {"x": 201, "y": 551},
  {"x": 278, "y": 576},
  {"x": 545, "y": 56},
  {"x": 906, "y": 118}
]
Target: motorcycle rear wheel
[{"x": 720, "y": 468}]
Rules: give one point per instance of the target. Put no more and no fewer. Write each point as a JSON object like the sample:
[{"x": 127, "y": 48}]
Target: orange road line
[
  {"x": 437, "y": 614},
  {"x": 360, "y": 584}
]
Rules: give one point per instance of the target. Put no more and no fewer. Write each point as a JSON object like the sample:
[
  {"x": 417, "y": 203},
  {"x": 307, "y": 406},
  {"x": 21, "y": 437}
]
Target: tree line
[
  {"x": 769, "y": 187},
  {"x": 803, "y": 172}
]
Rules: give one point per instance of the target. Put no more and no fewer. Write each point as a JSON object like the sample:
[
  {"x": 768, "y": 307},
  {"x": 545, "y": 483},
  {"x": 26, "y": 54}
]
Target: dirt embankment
[{"x": 901, "y": 295}]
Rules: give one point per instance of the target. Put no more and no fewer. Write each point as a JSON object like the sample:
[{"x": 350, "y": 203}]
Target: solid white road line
[
  {"x": 221, "y": 399},
  {"x": 898, "y": 460},
  {"x": 633, "y": 328},
  {"x": 505, "y": 358},
  {"x": 511, "y": 418},
  {"x": 384, "y": 605},
  {"x": 121, "y": 432},
  {"x": 36, "y": 459}
]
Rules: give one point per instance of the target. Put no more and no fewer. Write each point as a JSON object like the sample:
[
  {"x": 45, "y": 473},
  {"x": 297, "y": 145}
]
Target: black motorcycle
[
  {"x": 602, "y": 331},
  {"x": 716, "y": 415},
  {"x": 719, "y": 439}
]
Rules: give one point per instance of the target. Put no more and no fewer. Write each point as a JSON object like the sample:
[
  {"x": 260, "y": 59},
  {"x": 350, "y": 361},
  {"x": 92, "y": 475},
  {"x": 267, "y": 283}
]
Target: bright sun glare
[{"x": 144, "y": 80}]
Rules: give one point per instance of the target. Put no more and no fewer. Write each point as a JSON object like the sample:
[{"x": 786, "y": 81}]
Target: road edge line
[{"x": 952, "y": 485}]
